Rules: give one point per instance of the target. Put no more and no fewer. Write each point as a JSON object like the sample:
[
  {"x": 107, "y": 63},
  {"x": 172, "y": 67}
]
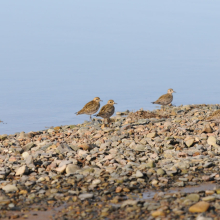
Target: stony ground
[{"x": 134, "y": 168}]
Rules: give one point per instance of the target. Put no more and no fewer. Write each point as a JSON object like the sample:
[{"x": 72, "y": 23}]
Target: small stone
[
  {"x": 193, "y": 197},
  {"x": 189, "y": 142},
  {"x": 86, "y": 196},
  {"x": 10, "y": 188},
  {"x": 129, "y": 202},
  {"x": 22, "y": 170},
  {"x": 151, "y": 164},
  {"x": 160, "y": 172},
  {"x": 207, "y": 129},
  {"x": 208, "y": 198},
  {"x": 212, "y": 141},
  {"x": 199, "y": 207},
  {"x": 28, "y": 146},
  {"x": 96, "y": 182},
  {"x": 57, "y": 128},
  {"x": 158, "y": 213},
  {"x": 29, "y": 160},
  {"x": 152, "y": 135},
  {"x": 139, "y": 174},
  {"x": 72, "y": 168},
  {"x": 84, "y": 146},
  {"x": 154, "y": 182},
  {"x": 25, "y": 155},
  {"x": 61, "y": 169}
]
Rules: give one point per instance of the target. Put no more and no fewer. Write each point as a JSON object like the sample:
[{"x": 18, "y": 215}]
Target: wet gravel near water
[{"x": 143, "y": 165}]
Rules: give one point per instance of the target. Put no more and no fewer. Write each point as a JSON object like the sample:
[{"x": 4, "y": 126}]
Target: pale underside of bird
[
  {"x": 165, "y": 99},
  {"x": 91, "y": 107},
  {"x": 107, "y": 110}
]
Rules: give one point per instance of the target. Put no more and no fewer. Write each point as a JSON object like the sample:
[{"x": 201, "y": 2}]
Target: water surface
[{"x": 56, "y": 56}]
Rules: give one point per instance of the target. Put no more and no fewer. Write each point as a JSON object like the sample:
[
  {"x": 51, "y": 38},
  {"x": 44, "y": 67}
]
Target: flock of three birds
[{"x": 108, "y": 110}]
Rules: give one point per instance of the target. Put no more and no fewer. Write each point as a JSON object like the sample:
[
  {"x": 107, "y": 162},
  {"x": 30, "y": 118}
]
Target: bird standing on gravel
[
  {"x": 91, "y": 107},
  {"x": 165, "y": 99},
  {"x": 107, "y": 110}
]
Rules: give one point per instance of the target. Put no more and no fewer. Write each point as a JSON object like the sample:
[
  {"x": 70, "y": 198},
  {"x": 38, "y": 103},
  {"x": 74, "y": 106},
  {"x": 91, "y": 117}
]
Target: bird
[
  {"x": 107, "y": 110},
  {"x": 215, "y": 116},
  {"x": 165, "y": 99},
  {"x": 91, "y": 107}
]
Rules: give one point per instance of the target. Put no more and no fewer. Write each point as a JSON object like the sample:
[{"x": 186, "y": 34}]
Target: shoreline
[{"x": 102, "y": 171}]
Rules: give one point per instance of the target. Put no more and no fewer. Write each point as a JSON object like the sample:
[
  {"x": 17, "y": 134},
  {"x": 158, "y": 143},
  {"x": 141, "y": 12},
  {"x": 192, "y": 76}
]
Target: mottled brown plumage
[
  {"x": 91, "y": 107},
  {"x": 165, "y": 99},
  {"x": 215, "y": 116},
  {"x": 107, "y": 110}
]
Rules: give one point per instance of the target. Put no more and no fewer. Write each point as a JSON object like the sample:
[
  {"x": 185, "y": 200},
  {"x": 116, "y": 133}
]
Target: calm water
[{"x": 58, "y": 55}]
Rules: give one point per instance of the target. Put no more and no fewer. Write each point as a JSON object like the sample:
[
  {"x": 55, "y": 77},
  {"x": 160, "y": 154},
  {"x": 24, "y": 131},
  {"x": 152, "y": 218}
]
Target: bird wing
[
  {"x": 106, "y": 110},
  {"x": 88, "y": 107},
  {"x": 164, "y": 97}
]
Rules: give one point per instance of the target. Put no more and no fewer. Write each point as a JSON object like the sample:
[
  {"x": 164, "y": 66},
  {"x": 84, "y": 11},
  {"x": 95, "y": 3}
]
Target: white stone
[
  {"x": 25, "y": 155},
  {"x": 96, "y": 181},
  {"x": 21, "y": 170},
  {"x": 72, "y": 168},
  {"x": 10, "y": 188},
  {"x": 86, "y": 196},
  {"x": 139, "y": 174}
]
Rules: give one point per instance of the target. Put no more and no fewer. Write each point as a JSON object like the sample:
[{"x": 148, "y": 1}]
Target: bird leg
[{"x": 90, "y": 117}]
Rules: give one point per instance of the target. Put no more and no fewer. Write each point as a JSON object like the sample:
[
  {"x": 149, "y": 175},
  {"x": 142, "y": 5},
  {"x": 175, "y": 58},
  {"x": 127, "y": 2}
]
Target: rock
[
  {"x": 61, "y": 169},
  {"x": 28, "y": 146},
  {"x": 212, "y": 141},
  {"x": 199, "y": 207},
  {"x": 207, "y": 129},
  {"x": 86, "y": 196},
  {"x": 96, "y": 182},
  {"x": 152, "y": 135},
  {"x": 193, "y": 197},
  {"x": 50, "y": 130},
  {"x": 10, "y": 188},
  {"x": 72, "y": 168},
  {"x": 158, "y": 213},
  {"x": 22, "y": 170},
  {"x": 29, "y": 160},
  {"x": 208, "y": 198},
  {"x": 25, "y": 155},
  {"x": 84, "y": 146},
  {"x": 151, "y": 164},
  {"x": 139, "y": 174},
  {"x": 160, "y": 172},
  {"x": 57, "y": 128},
  {"x": 189, "y": 142},
  {"x": 129, "y": 202}
]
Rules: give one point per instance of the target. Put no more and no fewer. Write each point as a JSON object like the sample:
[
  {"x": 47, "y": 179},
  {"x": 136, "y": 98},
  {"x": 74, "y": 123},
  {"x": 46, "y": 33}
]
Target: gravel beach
[{"x": 142, "y": 165}]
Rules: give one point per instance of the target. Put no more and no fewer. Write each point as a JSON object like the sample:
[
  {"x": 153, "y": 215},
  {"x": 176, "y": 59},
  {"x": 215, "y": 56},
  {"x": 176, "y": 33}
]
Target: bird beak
[
  {"x": 174, "y": 91},
  {"x": 101, "y": 101},
  {"x": 115, "y": 103}
]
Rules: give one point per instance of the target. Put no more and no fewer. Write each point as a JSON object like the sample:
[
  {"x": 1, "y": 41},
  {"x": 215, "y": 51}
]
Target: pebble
[
  {"x": 199, "y": 207},
  {"x": 9, "y": 188},
  {"x": 108, "y": 169}
]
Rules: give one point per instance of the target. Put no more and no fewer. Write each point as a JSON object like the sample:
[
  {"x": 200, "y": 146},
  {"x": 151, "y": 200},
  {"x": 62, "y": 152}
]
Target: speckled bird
[
  {"x": 165, "y": 99},
  {"x": 107, "y": 110},
  {"x": 91, "y": 107},
  {"x": 215, "y": 116}
]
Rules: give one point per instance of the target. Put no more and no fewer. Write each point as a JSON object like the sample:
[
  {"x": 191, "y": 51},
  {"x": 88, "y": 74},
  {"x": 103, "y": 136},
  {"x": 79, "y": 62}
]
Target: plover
[
  {"x": 107, "y": 110},
  {"x": 91, "y": 107},
  {"x": 165, "y": 99}
]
